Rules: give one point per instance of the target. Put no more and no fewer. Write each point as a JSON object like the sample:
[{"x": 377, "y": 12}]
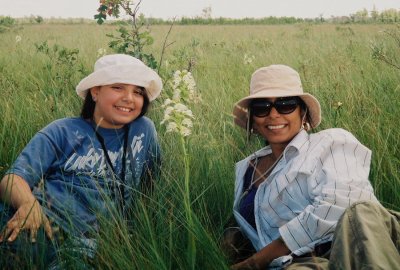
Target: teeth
[
  {"x": 124, "y": 109},
  {"x": 276, "y": 127}
]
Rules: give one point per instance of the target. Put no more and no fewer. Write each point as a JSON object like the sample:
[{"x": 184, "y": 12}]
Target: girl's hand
[{"x": 30, "y": 217}]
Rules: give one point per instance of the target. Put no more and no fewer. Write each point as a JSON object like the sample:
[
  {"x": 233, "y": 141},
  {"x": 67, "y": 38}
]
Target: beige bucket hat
[
  {"x": 276, "y": 81},
  {"x": 121, "y": 68}
]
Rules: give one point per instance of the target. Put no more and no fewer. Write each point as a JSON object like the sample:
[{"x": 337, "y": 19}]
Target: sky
[{"x": 168, "y": 9}]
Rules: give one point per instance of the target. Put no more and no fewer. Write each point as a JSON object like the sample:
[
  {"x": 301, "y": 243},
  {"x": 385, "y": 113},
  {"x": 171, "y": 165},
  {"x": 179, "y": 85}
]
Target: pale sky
[{"x": 168, "y": 9}]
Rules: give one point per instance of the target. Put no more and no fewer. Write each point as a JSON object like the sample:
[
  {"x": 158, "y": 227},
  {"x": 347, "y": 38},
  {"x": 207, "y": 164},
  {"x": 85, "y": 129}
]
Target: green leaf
[{"x": 102, "y": 8}]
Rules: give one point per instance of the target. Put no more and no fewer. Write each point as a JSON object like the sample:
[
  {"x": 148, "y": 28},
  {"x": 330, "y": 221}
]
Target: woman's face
[
  {"x": 116, "y": 104},
  {"x": 278, "y": 128}
]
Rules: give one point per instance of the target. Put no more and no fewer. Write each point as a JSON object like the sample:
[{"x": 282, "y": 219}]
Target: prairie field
[{"x": 336, "y": 64}]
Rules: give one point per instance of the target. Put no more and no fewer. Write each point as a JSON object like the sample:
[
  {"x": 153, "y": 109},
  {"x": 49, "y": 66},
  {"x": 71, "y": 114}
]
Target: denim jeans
[
  {"x": 63, "y": 252},
  {"x": 22, "y": 253}
]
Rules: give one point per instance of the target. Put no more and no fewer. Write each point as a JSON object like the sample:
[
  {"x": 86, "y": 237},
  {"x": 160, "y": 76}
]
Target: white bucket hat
[
  {"x": 121, "y": 68},
  {"x": 276, "y": 81}
]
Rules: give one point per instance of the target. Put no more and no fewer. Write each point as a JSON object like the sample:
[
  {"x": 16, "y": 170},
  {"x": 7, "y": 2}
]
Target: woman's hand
[
  {"x": 30, "y": 217},
  {"x": 264, "y": 257},
  {"x": 248, "y": 264}
]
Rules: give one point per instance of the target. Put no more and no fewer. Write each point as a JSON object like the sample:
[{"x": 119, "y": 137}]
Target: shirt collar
[
  {"x": 291, "y": 149},
  {"x": 295, "y": 144}
]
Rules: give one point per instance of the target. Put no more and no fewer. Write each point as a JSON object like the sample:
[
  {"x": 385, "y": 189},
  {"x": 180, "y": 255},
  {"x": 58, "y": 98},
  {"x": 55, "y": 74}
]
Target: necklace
[
  {"x": 262, "y": 176},
  {"x": 119, "y": 189}
]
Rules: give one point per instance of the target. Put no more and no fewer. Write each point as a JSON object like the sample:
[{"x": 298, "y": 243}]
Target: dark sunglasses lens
[
  {"x": 261, "y": 109},
  {"x": 286, "y": 106}
]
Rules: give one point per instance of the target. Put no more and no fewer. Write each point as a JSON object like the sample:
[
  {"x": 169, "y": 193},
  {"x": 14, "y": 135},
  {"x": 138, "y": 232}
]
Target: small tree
[
  {"x": 39, "y": 19},
  {"x": 206, "y": 12},
  {"x": 130, "y": 41},
  {"x": 361, "y": 15},
  {"x": 6, "y": 23},
  {"x": 374, "y": 14},
  {"x": 390, "y": 15}
]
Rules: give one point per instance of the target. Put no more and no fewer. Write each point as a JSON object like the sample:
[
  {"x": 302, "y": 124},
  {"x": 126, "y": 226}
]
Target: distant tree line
[
  {"x": 225, "y": 21},
  {"x": 221, "y": 20},
  {"x": 362, "y": 16},
  {"x": 391, "y": 15}
]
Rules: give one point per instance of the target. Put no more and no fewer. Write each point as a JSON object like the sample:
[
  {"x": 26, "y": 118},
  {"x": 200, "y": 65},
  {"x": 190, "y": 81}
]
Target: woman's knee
[
  {"x": 369, "y": 214},
  {"x": 365, "y": 207}
]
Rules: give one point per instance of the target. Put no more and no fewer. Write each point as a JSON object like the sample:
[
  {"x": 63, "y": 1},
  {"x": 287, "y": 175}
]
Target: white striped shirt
[{"x": 317, "y": 178}]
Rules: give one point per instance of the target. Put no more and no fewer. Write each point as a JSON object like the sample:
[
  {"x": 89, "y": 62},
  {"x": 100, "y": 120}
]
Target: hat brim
[
  {"x": 240, "y": 110},
  {"x": 139, "y": 75}
]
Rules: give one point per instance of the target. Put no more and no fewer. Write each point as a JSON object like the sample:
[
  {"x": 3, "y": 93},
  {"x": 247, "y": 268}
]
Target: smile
[
  {"x": 275, "y": 127},
  {"x": 124, "y": 109}
]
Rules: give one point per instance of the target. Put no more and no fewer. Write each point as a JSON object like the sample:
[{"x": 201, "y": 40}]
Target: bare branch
[{"x": 164, "y": 45}]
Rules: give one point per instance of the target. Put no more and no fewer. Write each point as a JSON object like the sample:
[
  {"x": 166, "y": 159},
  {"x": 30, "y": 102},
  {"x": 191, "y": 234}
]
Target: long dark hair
[
  {"x": 304, "y": 109},
  {"x": 88, "y": 106}
]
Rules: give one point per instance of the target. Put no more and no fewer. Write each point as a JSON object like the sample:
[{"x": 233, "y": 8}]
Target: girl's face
[
  {"x": 279, "y": 128},
  {"x": 116, "y": 104}
]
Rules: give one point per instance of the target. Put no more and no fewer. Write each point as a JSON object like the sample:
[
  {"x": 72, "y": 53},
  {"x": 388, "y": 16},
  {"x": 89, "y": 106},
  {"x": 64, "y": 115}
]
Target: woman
[
  {"x": 88, "y": 164},
  {"x": 291, "y": 194}
]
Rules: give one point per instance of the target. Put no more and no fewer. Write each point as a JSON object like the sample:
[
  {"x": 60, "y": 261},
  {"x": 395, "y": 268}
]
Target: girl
[{"x": 86, "y": 162}]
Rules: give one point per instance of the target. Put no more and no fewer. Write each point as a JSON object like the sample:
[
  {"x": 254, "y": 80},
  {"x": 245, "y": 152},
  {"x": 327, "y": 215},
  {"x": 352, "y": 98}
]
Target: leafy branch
[{"x": 129, "y": 41}]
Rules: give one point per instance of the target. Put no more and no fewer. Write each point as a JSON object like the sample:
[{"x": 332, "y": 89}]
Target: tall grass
[{"x": 334, "y": 62}]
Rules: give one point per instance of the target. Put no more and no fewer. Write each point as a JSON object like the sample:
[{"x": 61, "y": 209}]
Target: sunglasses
[{"x": 263, "y": 107}]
